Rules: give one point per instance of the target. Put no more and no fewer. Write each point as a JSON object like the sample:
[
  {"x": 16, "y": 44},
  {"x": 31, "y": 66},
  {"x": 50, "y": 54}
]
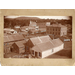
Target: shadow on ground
[{"x": 62, "y": 54}]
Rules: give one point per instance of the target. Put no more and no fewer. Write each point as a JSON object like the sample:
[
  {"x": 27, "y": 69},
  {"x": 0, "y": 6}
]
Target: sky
[{"x": 42, "y": 17}]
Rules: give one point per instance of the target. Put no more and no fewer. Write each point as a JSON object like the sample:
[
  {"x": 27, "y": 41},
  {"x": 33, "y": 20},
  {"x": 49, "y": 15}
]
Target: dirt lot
[
  {"x": 15, "y": 55},
  {"x": 62, "y": 54},
  {"x": 65, "y": 53}
]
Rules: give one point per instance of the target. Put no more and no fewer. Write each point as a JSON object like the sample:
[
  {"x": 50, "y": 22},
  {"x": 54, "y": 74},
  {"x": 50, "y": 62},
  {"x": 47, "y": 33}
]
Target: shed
[{"x": 19, "y": 47}]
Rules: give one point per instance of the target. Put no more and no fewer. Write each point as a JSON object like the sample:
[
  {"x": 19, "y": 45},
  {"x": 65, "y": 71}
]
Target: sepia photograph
[{"x": 38, "y": 37}]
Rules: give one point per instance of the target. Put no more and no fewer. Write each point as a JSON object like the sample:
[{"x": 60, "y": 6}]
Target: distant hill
[
  {"x": 24, "y": 21},
  {"x": 27, "y": 18}
]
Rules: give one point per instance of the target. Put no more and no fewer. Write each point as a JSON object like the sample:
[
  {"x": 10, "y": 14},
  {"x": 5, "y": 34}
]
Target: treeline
[
  {"x": 25, "y": 22},
  {"x": 13, "y": 22}
]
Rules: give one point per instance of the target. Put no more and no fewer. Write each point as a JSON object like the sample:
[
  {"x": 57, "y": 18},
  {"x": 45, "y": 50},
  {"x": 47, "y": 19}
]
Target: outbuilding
[{"x": 18, "y": 47}]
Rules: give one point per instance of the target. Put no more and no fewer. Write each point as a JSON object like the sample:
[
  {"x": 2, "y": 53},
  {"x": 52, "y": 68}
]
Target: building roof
[
  {"x": 35, "y": 40},
  {"x": 20, "y": 43},
  {"x": 43, "y": 46},
  {"x": 34, "y": 30},
  {"x": 24, "y": 26},
  {"x": 13, "y": 37},
  {"x": 10, "y": 38},
  {"x": 41, "y": 24},
  {"x": 17, "y": 36},
  {"x": 57, "y": 25},
  {"x": 57, "y": 42},
  {"x": 23, "y": 32},
  {"x": 5, "y": 34},
  {"x": 45, "y": 38},
  {"x": 6, "y": 39},
  {"x": 17, "y": 26},
  {"x": 41, "y": 39},
  {"x": 8, "y": 29},
  {"x": 46, "y": 45},
  {"x": 42, "y": 29}
]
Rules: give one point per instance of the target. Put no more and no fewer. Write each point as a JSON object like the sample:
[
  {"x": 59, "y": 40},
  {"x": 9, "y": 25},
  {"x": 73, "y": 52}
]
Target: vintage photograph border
[{"x": 36, "y": 62}]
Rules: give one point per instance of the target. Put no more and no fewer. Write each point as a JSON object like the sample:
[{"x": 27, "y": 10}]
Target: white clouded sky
[{"x": 42, "y": 17}]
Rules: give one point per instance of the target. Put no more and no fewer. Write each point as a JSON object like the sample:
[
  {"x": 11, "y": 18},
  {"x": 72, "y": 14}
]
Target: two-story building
[{"x": 57, "y": 30}]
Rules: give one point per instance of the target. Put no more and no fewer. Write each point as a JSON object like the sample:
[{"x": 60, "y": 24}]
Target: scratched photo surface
[{"x": 38, "y": 37}]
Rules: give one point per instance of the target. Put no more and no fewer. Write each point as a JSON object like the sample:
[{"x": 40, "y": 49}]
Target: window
[
  {"x": 39, "y": 54},
  {"x": 52, "y": 50},
  {"x": 33, "y": 52}
]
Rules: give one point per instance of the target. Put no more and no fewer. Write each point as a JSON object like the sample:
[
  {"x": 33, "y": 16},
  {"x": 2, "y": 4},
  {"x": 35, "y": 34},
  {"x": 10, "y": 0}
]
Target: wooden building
[
  {"x": 19, "y": 47},
  {"x": 41, "y": 47},
  {"x": 9, "y": 31},
  {"x": 9, "y": 40}
]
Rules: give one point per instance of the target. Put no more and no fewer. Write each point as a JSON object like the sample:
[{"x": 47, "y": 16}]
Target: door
[{"x": 35, "y": 54}]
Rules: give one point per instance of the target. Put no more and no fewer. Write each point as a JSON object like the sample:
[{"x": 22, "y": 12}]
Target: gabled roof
[
  {"x": 47, "y": 45},
  {"x": 18, "y": 37},
  {"x": 20, "y": 43},
  {"x": 40, "y": 39},
  {"x": 13, "y": 37},
  {"x": 57, "y": 42},
  {"x": 45, "y": 38},
  {"x": 43, "y": 46},
  {"x": 24, "y": 27},
  {"x": 6, "y": 39},
  {"x": 10, "y": 38},
  {"x": 35, "y": 40}
]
